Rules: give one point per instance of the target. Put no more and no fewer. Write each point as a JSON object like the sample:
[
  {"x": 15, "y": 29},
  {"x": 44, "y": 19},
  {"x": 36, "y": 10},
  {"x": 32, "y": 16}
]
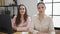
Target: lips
[
  {"x": 40, "y": 11},
  {"x": 22, "y": 12}
]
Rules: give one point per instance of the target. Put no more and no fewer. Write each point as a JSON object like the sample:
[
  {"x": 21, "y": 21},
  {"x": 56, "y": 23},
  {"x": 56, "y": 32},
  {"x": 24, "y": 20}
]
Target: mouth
[
  {"x": 40, "y": 11},
  {"x": 22, "y": 12}
]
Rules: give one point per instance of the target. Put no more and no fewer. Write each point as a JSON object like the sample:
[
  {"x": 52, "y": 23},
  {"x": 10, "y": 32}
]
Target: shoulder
[
  {"x": 29, "y": 18},
  {"x": 14, "y": 18},
  {"x": 49, "y": 18}
]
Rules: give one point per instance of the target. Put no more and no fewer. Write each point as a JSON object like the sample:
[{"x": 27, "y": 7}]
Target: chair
[{"x": 5, "y": 24}]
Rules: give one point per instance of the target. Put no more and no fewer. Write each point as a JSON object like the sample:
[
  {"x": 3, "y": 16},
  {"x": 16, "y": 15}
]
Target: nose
[
  {"x": 41, "y": 9},
  {"x": 21, "y": 9}
]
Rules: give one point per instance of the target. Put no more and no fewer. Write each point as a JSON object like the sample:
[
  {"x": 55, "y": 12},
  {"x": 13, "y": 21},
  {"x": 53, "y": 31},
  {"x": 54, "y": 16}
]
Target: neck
[
  {"x": 22, "y": 16},
  {"x": 41, "y": 15}
]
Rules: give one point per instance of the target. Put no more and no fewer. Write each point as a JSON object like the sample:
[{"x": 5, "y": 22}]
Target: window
[
  {"x": 56, "y": 8},
  {"x": 47, "y": 1},
  {"x": 56, "y": 20},
  {"x": 53, "y": 9},
  {"x": 56, "y": 0},
  {"x": 48, "y": 10}
]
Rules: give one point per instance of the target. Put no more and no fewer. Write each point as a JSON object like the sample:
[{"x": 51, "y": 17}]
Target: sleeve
[
  {"x": 51, "y": 27},
  {"x": 31, "y": 28},
  {"x": 13, "y": 23}
]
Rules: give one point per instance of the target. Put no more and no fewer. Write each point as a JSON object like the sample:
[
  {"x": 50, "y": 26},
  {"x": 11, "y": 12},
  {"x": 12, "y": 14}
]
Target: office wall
[
  {"x": 7, "y": 2},
  {"x": 30, "y": 4}
]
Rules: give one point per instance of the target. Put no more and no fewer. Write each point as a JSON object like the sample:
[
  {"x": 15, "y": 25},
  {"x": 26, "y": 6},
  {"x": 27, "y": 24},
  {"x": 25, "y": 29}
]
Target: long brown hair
[{"x": 18, "y": 21}]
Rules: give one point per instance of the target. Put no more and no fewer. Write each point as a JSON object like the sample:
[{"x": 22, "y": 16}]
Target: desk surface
[{"x": 57, "y": 28}]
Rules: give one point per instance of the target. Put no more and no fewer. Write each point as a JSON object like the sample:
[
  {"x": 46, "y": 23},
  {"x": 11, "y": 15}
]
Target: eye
[
  {"x": 42, "y": 7},
  {"x": 38, "y": 7},
  {"x": 23, "y": 8}
]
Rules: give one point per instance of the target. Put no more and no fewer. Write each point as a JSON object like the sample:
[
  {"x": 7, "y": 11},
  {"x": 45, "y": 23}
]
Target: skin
[
  {"x": 26, "y": 25},
  {"x": 22, "y": 12},
  {"x": 41, "y": 12}
]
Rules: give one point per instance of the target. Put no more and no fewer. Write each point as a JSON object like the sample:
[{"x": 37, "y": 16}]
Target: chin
[
  {"x": 22, "y": 14},
  {"x": 41, "y": 13}
]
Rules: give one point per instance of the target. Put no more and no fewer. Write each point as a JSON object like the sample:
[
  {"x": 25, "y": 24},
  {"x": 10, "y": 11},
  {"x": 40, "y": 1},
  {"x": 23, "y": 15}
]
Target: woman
[
  {"x": 41, "y": 24},
  {"x": 22, "y": 20}
]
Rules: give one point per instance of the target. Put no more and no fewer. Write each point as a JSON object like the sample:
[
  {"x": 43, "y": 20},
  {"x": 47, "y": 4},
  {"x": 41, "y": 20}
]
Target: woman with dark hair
[
  {"x": 41, "y": 23},
  {"x": 22, "y": 20}
]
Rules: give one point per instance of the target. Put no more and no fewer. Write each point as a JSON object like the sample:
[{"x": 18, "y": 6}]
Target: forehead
[
  {"x": 22, "y": 7},
  {"x": 41, "y": 5}
]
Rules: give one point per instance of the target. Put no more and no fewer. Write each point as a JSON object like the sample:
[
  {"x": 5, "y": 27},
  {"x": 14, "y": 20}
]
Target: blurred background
[{"x": 52, "y": 8}]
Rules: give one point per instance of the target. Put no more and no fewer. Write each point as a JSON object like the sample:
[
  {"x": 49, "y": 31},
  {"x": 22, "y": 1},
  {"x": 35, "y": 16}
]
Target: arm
[
  {"x": 51, "y": 27},
  {"x": 25, "y": 28},
  {"x": 13, "y": 23},
  {"x": 32, "y": 26},
  {"x": 42, "y": 33},
  {"x": 32, "y": 30}
]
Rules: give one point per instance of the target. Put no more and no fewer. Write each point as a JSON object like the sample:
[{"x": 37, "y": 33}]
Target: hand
[
  {"x": 39, "y": 33},
  {"x": 42, "y": 33}
]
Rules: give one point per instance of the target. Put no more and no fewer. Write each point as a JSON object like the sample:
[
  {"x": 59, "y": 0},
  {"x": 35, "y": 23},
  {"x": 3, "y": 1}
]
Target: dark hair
[
  {"x": 18, "y": 21},
  {"x": 40, "y": 3}
]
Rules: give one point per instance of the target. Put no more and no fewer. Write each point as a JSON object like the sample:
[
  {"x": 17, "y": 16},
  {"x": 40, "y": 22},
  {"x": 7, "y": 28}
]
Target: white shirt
[{"x": 46, "y": 25}]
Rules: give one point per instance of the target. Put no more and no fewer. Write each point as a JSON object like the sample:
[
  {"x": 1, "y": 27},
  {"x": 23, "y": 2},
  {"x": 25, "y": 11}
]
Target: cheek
[
  {"x": 44, "y": 10},
  {"x": 24, "y": 11},
  {"x": 38, "y": 10},
  {"x": 20, "y": 11}
]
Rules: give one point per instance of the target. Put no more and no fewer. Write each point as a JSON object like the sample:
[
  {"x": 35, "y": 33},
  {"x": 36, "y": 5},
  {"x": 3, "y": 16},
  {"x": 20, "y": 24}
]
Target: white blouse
[{"x": 46, "y": 25}]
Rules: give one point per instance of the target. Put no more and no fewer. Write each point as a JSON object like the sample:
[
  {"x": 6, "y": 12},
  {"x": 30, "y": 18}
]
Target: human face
[
  {"x": 41, "y": 8},
  {"x": 22, "y": 10}
]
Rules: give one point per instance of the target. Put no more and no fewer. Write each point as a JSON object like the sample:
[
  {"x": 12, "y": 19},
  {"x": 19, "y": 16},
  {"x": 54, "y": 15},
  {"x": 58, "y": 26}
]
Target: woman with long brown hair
[{"x": 22, "y": 20}]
